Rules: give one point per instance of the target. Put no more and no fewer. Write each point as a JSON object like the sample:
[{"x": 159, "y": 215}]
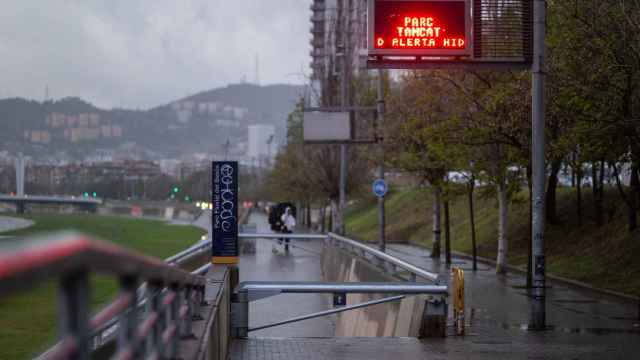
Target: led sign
[{"x": 420, "y": 27}]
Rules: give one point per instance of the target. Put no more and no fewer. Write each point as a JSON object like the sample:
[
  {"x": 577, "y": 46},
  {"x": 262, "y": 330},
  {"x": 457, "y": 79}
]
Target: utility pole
[
  {"x": 380, "y": 140},
  {"x": 538, "y": 308}
]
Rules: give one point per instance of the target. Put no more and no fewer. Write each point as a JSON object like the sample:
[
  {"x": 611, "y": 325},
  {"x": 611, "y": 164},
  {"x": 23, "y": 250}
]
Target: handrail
[
  {"x": 186, "y": 255},
  {"x": 412, "y": 269},
  {"x": 36, "y": 260},
  {"x": 70, "y": 257},
  {"x": 282, "y": 236}
]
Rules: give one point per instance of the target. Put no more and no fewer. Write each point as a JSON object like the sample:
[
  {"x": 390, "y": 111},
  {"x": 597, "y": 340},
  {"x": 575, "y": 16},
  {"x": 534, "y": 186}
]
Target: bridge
[{"x": 21, "y": 200}]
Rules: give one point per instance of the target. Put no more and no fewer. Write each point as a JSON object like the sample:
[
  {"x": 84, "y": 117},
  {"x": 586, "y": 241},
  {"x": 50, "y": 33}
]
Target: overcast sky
[{"x": 143, "y": 53}]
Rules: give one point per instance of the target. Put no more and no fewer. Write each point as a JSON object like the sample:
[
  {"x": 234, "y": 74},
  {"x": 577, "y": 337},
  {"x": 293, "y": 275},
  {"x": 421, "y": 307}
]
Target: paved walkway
[
  {"x": 11, "y": 223},
  {"x": 583, "y": 325},
  {"x": 301, "y": 263}
]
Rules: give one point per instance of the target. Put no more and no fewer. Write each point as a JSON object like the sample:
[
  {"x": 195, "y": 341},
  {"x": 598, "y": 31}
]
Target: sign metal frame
[{"x": 466, "y": 52}]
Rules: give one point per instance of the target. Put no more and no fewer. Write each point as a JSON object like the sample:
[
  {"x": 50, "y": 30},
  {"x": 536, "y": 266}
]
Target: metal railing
[
  {"x": 250, "y": 291},
  {"x": 368, "y": 252},
  {"x": 105, "y": 333},
  {"x": 359, "y": 248},
  {"x": 173, "y": 296}
]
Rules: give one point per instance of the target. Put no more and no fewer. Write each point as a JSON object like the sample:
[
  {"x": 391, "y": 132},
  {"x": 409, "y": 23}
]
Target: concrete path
[
  {"x": 580, "y": 322},
  {"x": 271, "y": 262},
  {"x": 583, "y": 325},
  {"x": 11, "y": 224}
]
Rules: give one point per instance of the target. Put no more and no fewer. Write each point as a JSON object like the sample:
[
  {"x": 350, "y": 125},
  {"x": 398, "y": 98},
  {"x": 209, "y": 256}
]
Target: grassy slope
[
  {"x": 27, "y": 320},
  {"x": 604, "y": 257}
]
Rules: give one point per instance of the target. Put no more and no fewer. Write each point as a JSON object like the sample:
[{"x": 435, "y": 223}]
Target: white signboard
[{"x": 327, "y": 126}]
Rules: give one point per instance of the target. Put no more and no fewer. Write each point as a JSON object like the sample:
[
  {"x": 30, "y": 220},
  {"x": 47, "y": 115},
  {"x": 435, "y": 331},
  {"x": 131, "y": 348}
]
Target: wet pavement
[
  {"x": 583, "y": 324},
  {"x": 271, "y": 262},
  {"x": 11, "y": 224}
]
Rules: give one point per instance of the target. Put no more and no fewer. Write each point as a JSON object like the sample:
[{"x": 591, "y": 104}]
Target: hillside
[
  {"x": 199, "y": 123},
  {"x": 605, "y": 257}
]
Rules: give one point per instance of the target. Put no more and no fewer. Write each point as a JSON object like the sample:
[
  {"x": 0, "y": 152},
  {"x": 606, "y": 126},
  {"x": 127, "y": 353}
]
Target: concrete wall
[{"x": 396, "y": 319}]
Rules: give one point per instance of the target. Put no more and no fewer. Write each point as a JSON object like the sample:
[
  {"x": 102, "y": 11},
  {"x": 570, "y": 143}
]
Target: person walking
[{"x": 288, "y": 225}]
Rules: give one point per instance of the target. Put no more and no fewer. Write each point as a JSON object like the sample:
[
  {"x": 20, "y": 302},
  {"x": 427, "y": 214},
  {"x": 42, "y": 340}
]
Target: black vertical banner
[{"x": 224, "y": 221}]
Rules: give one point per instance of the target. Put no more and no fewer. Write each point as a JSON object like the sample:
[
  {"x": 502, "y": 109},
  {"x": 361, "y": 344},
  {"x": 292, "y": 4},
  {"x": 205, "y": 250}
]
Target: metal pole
[
  {"x": 344, "y": 88},
  {"x": 330, "y": 312},
  {"x": 538, "y": 311},
  {"x": 343, "y": 187},
  {"x": 381, "y": 214},
  {"x": 73, "y": 312}
]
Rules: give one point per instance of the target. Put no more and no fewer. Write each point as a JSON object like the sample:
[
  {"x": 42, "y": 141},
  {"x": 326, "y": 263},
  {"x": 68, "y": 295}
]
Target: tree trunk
[
  {"x": 552, "y": 188},
  {"x": 633, "y": 197},
  {"x": 573, "y": 170},
  {"x": 447, "y": 232},
  {"x": 309, "y": 215},
  {"x": 597, "y": 194},
  {"x": 437, "y": 199},
  {"x": 323, "y": 211},
  {"x": 530, "y": 234},
  {"x": 472, "y": 221},
  {"x": 579, "y": 194},
  {"x": 334, "y": 224},
  {"x": 502, "y": 228}
]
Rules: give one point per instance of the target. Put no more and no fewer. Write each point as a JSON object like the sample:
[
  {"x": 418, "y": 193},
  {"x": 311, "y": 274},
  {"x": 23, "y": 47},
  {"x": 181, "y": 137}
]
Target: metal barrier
[
  {"x": 173, "y": 296},
  {"x": 255, "y": 290},
  {"x": 367, "y": 252},
  {"x": 357, "y": 247},
  {"x": 105, "y": 333}
]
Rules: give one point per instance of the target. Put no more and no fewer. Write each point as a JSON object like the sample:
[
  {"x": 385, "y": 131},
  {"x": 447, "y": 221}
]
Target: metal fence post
[
  {"x": 185, "y": 332},
  {"x": 154, "y": 342},
  {"x": 73, "y": 312},
  {"x": 434, "y": 318},
  {"x": 129, "y": 319},
  {"x": 175, "y": 320},
  {"x": 239, "y": 314}
]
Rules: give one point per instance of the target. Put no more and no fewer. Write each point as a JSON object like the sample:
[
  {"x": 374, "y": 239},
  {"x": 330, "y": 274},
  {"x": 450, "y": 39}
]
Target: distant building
[{"x": 259, "y": 137}]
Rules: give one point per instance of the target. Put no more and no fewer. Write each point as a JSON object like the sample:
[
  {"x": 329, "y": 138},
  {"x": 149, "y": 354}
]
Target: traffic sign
[{"x": 380, "y": 188}]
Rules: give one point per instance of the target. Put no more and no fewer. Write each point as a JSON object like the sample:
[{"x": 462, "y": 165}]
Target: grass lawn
[
  {"x": 602, "y": 256},
  {"x": 27, "y": 320}
]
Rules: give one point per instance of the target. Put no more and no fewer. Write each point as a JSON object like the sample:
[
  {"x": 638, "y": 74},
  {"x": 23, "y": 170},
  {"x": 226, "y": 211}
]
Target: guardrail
[
  {"x": 173, "y": 296},
  {"x": 247, "y": 292},
  {"x": 367, "y": 251},
  {"x": 104, "y": 334}
]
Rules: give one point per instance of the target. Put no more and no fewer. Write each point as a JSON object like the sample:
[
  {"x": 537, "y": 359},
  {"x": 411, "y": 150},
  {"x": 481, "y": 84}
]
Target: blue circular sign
[{"x": 380, "y": 188}]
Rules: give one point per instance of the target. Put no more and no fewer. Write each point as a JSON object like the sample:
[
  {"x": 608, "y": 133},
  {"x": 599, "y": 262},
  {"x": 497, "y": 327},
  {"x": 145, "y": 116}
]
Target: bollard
[{"x": 458, "y": 300}]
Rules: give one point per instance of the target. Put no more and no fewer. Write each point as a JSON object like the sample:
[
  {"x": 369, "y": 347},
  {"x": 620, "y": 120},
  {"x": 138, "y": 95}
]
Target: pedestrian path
[
  {"x": 583, "y": 325},
  {"x": 11, "y": 223}
]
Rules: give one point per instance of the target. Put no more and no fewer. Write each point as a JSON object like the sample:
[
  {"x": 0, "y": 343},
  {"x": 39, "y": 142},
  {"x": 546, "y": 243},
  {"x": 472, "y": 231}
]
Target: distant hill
[{"x": 198, "y": 123}]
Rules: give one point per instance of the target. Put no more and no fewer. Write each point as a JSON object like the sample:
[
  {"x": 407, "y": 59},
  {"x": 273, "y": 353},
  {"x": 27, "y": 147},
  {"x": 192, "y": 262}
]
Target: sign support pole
[
  {"x": 342, "y": 204},
  {"x": 381, "y": 210},
  {"x": 538, "y": 310}
]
